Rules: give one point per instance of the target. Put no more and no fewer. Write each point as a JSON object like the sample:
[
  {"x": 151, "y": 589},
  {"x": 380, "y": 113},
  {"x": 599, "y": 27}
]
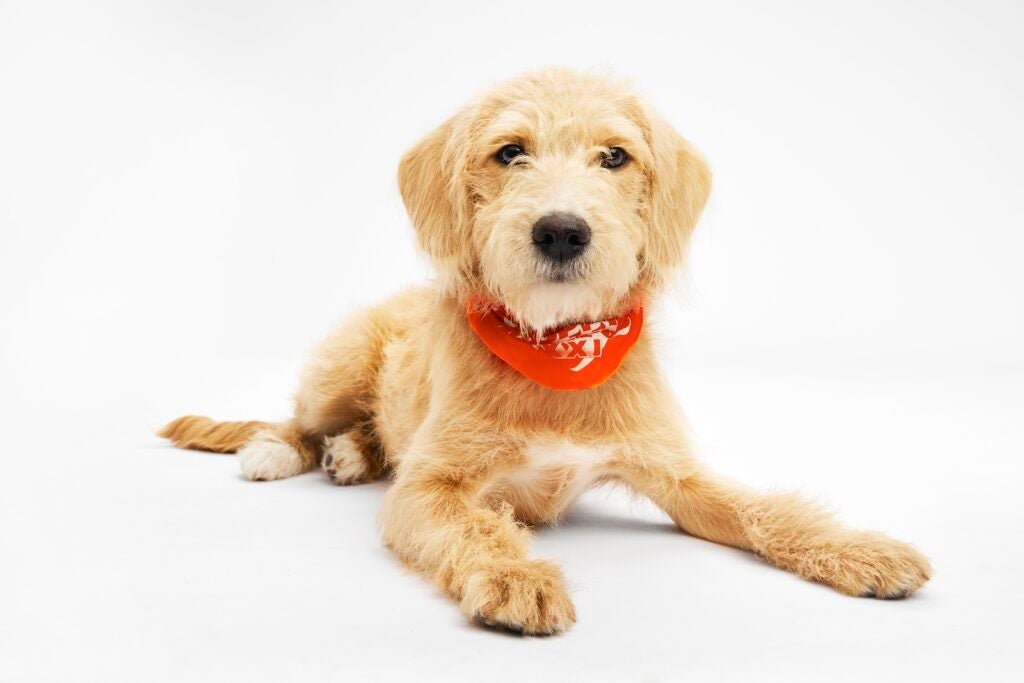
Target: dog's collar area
[{"x": 573, "y": 357}]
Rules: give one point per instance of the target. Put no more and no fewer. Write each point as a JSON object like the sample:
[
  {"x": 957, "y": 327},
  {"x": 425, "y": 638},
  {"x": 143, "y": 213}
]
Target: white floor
[{"x": 131, "y": 561}]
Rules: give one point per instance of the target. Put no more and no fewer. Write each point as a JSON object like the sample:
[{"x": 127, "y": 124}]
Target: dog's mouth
[
  {"x": 562, "y": 272},
  {"x": 561, "y": 298}
]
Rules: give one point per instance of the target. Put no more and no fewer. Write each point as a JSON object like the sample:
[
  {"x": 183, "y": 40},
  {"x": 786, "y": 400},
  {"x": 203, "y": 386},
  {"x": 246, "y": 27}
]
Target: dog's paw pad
[{"x": 343, "y": 461}]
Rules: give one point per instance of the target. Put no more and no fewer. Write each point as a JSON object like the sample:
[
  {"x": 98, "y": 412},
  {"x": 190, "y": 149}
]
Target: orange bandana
[{"x": 579, "y": 356}]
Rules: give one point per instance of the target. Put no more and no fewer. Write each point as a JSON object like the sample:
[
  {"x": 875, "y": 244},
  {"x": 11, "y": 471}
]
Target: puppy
[{"x": 554, "y": 209}]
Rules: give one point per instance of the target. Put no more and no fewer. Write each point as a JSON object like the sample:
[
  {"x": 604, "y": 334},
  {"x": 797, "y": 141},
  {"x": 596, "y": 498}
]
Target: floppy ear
[
  {"x": 679, "y": 182},
  {"x": 430, "y": 179}
]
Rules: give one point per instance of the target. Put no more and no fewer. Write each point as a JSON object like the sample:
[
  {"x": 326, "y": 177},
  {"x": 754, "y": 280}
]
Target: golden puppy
[{"x": 553, "y": 208}]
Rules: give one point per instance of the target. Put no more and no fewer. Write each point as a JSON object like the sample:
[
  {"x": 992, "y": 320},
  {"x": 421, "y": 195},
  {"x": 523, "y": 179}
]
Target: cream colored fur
[
  {"x": 268, "y": 457},
  {"x": 476, "y": 451}
]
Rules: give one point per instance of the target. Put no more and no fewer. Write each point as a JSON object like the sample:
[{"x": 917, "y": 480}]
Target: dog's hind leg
[
  {"x": 336, "y": 394},
  {"x": 278, "y": 452},
  {"x": 353, "y": 457},
  {"x": 332, "y": 407},
  {"x": 337, "y": 387}
]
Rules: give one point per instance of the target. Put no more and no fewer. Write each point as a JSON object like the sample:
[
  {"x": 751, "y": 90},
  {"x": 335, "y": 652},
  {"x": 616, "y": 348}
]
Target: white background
[{"x": 191, "y": 193}]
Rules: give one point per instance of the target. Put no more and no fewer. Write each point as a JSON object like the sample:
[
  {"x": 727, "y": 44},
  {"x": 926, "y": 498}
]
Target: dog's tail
[{"x": 204, "y": 434}]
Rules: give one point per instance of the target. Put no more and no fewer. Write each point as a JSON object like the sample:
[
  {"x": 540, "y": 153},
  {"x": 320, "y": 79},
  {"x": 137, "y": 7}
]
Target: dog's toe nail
[
  {"x": 868, "y": 594},
  {"x": 899, "y": 595},
  {"x": 328, "y": 459},
  {"x": 514, "y": 629},
  {"x": 497, "y": 625}
]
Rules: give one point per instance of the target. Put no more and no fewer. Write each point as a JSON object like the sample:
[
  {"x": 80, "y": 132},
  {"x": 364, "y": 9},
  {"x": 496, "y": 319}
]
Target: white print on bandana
[{"x": 583, "y": 342}]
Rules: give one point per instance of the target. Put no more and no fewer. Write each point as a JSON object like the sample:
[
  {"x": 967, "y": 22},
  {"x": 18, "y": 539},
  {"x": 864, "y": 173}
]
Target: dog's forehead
[{"x": 556, "y": 122}]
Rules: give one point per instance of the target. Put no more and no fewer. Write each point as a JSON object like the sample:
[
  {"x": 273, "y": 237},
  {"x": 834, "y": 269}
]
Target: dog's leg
[
  {"x": 278, "y": 452},
  {"x": 477, "y": 555},
  {"x": 338, "y": 383},
  {"x": 332, "y": 413},
  {"x": 331, "y": 406},
  {"x": 786, "y": 530}
]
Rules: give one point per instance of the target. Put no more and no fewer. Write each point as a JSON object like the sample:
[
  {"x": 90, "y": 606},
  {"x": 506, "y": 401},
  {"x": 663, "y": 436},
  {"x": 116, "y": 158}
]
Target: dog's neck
[{"x": 574, "y": 356}]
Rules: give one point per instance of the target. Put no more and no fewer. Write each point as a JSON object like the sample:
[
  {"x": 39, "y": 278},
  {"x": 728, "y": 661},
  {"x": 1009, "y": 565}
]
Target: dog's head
[{"x": 558, "y": 195}]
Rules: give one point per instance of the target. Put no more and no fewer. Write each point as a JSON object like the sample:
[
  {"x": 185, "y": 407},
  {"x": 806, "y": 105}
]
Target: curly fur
[{"x": 477, "y": 451}]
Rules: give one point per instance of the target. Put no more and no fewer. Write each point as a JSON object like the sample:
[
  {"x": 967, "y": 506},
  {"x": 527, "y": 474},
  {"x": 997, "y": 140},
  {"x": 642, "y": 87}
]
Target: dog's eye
[
  {"x": 615, "y": 157},
  {"x": 507, "y": 154}
]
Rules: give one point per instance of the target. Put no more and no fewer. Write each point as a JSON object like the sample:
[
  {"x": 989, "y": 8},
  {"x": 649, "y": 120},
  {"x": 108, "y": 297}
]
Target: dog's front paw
[
  {"x": 267, "y": 457},
  {"x": 526, "y": 596},
  {"x": 872, "y": 565}
]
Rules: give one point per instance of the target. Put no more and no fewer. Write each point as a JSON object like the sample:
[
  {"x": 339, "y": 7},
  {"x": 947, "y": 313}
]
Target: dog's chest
[
  {"x": 562, "y": 453},
  {"x": 555, "y": 472}
]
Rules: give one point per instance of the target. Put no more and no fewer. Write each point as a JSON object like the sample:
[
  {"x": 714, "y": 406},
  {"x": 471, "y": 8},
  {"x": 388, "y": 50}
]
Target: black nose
[{"x": 561, "y": 236}]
